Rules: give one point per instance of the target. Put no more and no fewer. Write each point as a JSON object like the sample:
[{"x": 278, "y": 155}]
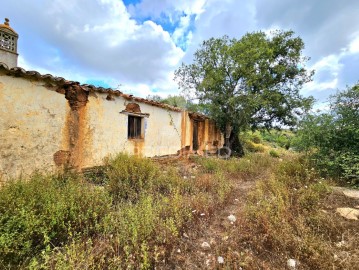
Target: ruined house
[{"x": 49, "y": 123}]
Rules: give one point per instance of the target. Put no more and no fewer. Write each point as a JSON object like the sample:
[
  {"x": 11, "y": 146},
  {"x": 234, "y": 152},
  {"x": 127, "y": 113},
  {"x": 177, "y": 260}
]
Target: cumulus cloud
[
  {"x": 334, "y": 72},
  {"x": 166, "y": 8},
  {"x": 140, "y": 44},
  {"x": 93, "y": 39},
  {"x": 325, "y": 26}
]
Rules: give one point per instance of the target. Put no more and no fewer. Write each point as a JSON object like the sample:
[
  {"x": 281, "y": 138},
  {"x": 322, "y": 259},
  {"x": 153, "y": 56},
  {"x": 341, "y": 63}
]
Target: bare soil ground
[{"x": 216, "y": 229}]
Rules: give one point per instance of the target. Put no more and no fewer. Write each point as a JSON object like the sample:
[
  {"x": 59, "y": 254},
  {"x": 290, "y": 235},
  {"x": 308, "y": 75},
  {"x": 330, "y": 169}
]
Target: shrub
[
  {"x": 331, "y": 139},
  {"x": 44, "y": 212},
  {"x": 279, "y": 138},
  {"x": 254, "y": 147},
  {"x": 274, "y": 153},
  {"x": 210, "y": 164},
  {"x": 256, "y": 138},
  {"x": 130, "y": 176}
]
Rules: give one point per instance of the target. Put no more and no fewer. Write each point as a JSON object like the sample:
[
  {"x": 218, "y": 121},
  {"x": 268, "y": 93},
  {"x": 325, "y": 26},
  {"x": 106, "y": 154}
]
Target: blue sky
[{"x": 136, "y": 45}]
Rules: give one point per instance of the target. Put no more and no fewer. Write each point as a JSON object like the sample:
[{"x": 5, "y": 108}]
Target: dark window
[
  {"x": 195, "y": 136},
  {"x": 134, "y": 127}
]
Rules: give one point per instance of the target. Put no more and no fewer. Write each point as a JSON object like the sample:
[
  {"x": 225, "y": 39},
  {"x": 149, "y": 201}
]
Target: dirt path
[
  {"x": 200, "y": 247},
  {"x": 208, "y": 243}
]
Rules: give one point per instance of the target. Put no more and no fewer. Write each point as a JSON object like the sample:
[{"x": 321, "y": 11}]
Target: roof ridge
[{"x": 60, "y": 81}]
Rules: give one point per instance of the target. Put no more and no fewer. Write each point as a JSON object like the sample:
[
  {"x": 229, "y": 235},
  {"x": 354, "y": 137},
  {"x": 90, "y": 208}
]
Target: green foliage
[
  {"x": 332, "y": 139},
  {"x": 247, "y": 165},
  {"x": 135, "y": 222},
  {"x": 176, "y": 101},
  {"x": 129, "y": 176},
  {"x": 278, "y": 138},
  {"x": 254, "y": 147},
  {"x": 151, "y": 205},
  {"x": 44, "y": 212},
  {"x": 253, "y": 142},
  {"x": 210, "y": 164},
  {"x": 274, "y": 153},
  {"x": 65, "y": 223},
  {"x": 181, "y": 102},
  {"x": 256, "y": 138},
  {"x": 250, "y": 82}
]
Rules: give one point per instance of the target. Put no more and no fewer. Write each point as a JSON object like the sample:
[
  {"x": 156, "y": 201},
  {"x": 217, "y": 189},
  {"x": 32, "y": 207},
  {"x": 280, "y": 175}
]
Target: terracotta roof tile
[{"x": 59, "y": 81}]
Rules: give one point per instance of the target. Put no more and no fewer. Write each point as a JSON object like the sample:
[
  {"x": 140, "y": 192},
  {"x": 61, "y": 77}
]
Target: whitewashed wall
[{"x": 32, "y": 118}]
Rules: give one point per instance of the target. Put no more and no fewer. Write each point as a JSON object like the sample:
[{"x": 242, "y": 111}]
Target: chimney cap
[{"x": 6, "y": 25}]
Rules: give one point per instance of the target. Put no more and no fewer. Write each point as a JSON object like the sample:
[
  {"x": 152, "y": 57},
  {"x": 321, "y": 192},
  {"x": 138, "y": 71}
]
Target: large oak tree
[{"x": 248, "y": 83}]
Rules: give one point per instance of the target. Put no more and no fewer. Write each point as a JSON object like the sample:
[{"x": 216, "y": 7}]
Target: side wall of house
[
  {"x": 32, "y": 118},
  {"x": 46, "y": 127},
  {"x": 210, "y": 137},
  {"x": 214, "y": 137},
  {"x": 107, "y": 130}
]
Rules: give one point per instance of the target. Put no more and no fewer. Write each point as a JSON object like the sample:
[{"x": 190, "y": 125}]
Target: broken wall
[
  {"x": 49, "y": 124},
  {"x": 209, "y": 136},
  {"x": 32, "y": 117},
  {"x": 47, "y": 127},
  {"x": 106, "y": 130}
]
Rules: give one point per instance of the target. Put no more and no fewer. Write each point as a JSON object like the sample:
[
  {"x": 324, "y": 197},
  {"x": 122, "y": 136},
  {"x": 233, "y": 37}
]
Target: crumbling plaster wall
[
  {"x": 108, "y": 129},
  {"x": 210, "y": 137},
  {"x": 46, "y": 127},
  {"x": 31, "y": 122}
]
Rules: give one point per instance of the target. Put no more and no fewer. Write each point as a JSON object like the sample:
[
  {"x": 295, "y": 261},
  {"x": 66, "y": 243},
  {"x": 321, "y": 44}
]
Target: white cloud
[
  {"x": 354, "y": 44},
  {"x": 87, "y": 39},
  {"x": 169, "y": 8},
  {"x": 105, "y": 40},
  {"x": 331, "y": 69}
]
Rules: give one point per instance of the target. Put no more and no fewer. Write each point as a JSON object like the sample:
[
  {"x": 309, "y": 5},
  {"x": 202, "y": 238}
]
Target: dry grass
[
  {"x": 162, "y": 211},
  {"x": 284, "y": 218}
]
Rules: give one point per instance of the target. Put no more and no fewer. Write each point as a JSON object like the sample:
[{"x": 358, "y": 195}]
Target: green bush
[
  {"x": 331, "y": 139},
  {"x": 129, "y": 217},
  {"x": 130, "y": 176},
  {"x": 210, "y": 164},
  {"x": 247, "y": 165},
  {"x": 254, "y": 147},
  {"x": 44, "y": 212},
  {"x": 274, "y": 153},
  {"x": 278, "y": 138},
  {"x": 256, "y": 138}
]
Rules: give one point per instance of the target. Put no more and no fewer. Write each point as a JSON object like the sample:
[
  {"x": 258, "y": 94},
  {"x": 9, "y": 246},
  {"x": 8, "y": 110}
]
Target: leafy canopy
[
  {"x": 250, "y": 82},
  {"x": 332, "y": 138},
  {"x": 179, "y": 101}
]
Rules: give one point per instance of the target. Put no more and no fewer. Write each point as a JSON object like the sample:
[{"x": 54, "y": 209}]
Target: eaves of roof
[{"x": 60, "y": 82}]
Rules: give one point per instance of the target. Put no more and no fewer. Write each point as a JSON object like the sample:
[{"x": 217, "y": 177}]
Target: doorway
[{"x": 195, "y": 136}]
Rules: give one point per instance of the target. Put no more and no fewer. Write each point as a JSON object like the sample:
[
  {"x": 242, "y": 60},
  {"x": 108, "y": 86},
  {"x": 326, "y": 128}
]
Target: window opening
[{"x": 134, "y": 127}]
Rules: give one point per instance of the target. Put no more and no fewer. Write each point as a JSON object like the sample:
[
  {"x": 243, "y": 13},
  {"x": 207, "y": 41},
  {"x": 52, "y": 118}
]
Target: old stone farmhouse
[{"x": 48, "y": 123}]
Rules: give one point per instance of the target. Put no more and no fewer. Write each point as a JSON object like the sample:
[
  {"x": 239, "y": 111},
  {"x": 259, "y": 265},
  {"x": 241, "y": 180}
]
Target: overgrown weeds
[
  {"x": 251, "y": 165},
  {"x": 283, "y": 219},
  {"x": 129, "y": 215},
  {"x": 44, "y": 212},
  {"x": 135, "y": 212}
]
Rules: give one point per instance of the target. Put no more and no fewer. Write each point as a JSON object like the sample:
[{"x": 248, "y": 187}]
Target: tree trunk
[
  {"x": 232, "y": 141},
  {"x": 236, "y": 145},
  {"x": 227, "y": 135}
]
